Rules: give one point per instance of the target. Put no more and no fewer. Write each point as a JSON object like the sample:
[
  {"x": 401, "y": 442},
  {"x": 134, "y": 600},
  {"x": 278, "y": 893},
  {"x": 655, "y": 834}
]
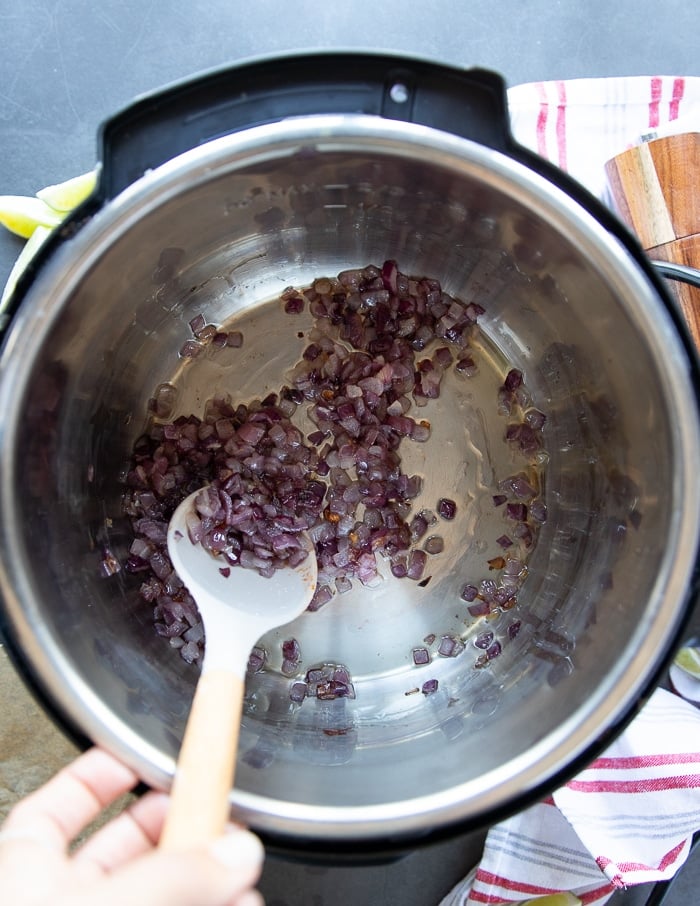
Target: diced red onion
[
  {"x": 450, "y": 646},
  {"x": 516, "y": 511},
  {"x": 257, "y": 659},
  {"x": 297, "y": 692},
  {"x": 484, "y": 640},
  {"x": 513, "y": 379},
  {"x": 466, "y": 366},
  {"x": 322, "y": 595},
  {"x": 190, "y": 349},
  {"x": 416, "y": 564},
  {"x": 469, "y": 593},
  {"x": 494, "y": 650},
  {"x": 421, "y": 656},
  {"x": 267, "y": 484},
  {"x": 294, "y": 305},
  {"x": 538, "y": 511},
  {"x": 446, "y": 508},
  {"x": 197, "y": 323},
  {"x": 429, "y": 687},
  {"x": 514, "y": 629},
  {"x": 480, "y": 609},
  {"x": 535, "y": 419},
  {"x": 291, "y": 650},
  {"x": 435, "y": 544}
]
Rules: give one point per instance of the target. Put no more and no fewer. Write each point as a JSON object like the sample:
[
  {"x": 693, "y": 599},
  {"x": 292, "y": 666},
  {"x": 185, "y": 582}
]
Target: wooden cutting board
[{"x": 655, "y": 189}]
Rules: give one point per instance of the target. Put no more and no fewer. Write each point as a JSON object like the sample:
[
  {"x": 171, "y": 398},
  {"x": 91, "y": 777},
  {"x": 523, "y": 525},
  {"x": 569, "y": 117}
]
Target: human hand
[{"x": 120, "y": 863}]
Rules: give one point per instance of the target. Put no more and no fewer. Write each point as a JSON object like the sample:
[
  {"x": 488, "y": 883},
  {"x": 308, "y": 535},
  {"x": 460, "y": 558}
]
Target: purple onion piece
[
  {"x": 469, "y": 593},
  {"x": 321, "y": 596},
  {"x": 197, "y": 323},
  {"x": 297, "y": 692},
  {"x": 190, "y": 349},
  {"x": 493, "y": 651},
  {"x": 481, "y": 609},
  {"x": 421, "y": 656},
  {"x": 257, "y": 660},
  {"x": 535, "y": 419},
  {"x": 418, "y": 527},
  {"x": 429, "y": 687},
  {"x": 516, "y": 511},
  {"x": 538, "y": 511},
  {"x": 435, "y": 544},
  {"x": 484, "y": 640},
  {"x": 446, "y": 508},
  {"x": 291, "y": 650},
  {"x": 466, "y": 366},
  {"x": 450, "y": 646},
  {"x": 513, "y": 379},
  {"x": 514, "y": 629},
  {"x": 416, "y": 564},
  {"x": 294, "y": 305},
  {"x": 269, "y": 483}
]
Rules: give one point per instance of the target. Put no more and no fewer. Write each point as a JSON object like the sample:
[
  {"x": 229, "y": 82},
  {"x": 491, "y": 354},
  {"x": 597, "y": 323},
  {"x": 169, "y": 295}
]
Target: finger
[
  {"x": 134, "y": 832},
  {"x": 212, "y": 876},
  {"x": 249, "y": 898},
  {"x": 59, "y": 810}
]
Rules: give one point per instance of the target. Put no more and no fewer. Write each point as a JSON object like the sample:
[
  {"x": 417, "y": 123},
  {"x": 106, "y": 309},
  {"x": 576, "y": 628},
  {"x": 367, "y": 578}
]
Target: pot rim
[{"x": 559, "y": 754}]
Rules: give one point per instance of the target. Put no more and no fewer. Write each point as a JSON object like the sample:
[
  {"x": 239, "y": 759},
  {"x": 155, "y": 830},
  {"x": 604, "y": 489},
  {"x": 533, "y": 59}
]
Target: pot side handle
[{"x": 468, "y": 103}]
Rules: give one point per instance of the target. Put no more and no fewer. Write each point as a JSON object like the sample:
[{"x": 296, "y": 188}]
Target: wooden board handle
[
  {"x": 654, "y": 190},
  {"x": 199, "y": 804}
]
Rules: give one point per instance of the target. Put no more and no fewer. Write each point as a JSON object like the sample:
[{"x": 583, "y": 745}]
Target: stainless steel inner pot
[{"x": 565, "y": 301}]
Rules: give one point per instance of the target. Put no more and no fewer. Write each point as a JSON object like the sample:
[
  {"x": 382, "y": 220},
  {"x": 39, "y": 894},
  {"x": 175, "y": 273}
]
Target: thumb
[{"x": 207, "y": 876}]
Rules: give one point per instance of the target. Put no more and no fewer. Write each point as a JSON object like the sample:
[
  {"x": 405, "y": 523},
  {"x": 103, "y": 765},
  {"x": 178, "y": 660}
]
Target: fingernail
[{"x": 237, "y": 850}]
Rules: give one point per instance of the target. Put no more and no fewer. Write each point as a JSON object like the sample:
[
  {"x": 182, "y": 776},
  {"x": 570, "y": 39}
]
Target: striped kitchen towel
[
  {"x": 627, "y": 819},
  {"x": 582, "y": 123},
  {"x": 630, "y": 816}
]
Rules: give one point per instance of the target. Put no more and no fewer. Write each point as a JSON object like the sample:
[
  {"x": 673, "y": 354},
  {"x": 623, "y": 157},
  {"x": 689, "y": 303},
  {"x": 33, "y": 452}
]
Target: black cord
[{"x": 680, "y": 272}]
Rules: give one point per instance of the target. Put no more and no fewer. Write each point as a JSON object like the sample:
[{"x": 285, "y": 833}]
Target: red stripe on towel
[
  {"x": 648, "y": 785},
  {"x": 669, "y": 859},
  {"x": 487, "y": 877},
  {"x": 561, "y": 124},
  {"x": 656, "y": 87},
  {"x": 644, "y": 761},
  {"x": 676, "y": 98},
  {"x": 541, "y": 128}
]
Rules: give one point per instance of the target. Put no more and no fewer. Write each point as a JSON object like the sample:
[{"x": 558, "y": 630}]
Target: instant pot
[{"x": 214, "y": 196}]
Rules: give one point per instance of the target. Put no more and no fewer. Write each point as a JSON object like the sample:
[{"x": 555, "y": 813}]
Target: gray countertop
[{"x": 67, "y": 65}]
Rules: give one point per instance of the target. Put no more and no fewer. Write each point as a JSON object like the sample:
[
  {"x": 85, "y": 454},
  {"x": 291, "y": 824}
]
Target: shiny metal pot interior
[{"x": 566, "y": 302}]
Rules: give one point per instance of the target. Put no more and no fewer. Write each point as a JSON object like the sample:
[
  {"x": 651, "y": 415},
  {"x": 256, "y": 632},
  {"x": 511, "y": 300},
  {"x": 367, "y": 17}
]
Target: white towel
[
  {"x": 582, "y": 123},
  {"x": 629, "y": 817}
]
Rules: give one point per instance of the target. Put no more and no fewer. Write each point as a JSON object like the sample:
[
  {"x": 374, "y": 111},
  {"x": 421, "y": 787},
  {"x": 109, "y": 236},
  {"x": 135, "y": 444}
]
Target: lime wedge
[
  {"x": 22, "y": 215},
  {"x": 65, "y": 196},
  {"x": 688, "y": 659},
  {"x": 27, "y": 253}
]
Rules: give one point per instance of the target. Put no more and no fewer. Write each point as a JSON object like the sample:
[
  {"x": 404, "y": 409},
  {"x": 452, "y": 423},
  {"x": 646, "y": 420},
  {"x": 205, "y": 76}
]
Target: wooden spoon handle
[{"x": 199, "y": 805}]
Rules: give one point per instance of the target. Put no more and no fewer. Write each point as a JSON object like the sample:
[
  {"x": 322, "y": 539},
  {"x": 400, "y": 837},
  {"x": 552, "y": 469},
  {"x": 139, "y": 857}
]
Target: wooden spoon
[{"x": 236, "y": 611}]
